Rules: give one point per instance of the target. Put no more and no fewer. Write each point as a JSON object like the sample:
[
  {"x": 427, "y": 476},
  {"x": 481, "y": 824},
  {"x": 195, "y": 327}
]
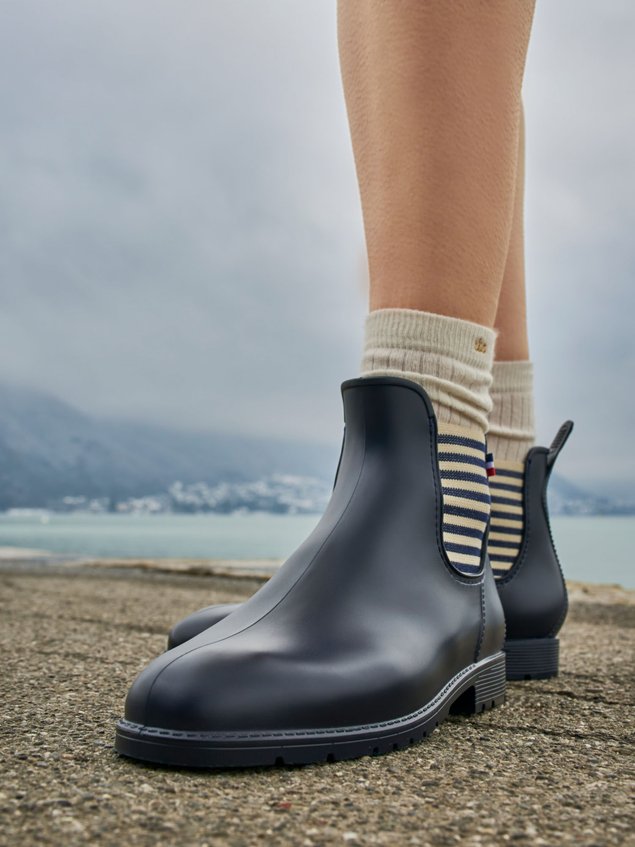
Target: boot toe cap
[{"x": 201, "y": 690}]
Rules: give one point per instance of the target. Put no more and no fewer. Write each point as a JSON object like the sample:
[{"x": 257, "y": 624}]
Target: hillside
[{"x": 49, "y": 449}]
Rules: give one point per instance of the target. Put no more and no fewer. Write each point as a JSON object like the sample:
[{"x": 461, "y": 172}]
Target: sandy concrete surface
[{"x": 554, "y": 766}]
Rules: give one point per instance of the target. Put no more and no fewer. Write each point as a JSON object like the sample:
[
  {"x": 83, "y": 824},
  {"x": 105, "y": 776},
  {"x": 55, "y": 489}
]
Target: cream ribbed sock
[
  {"x": 511, "y": 421},
  {"x": 510, "y": 436},
  {"x": 452, "y": 360}
]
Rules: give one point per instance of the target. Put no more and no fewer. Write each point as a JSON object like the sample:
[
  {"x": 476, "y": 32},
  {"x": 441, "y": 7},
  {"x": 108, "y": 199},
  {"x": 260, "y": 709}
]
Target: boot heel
[
  {"x": 532, "y": 658},
  {"x": 487, "y": 690}
]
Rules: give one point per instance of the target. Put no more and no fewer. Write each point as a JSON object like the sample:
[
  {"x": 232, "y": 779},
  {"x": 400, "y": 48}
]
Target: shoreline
[
  {"x": 22, "y": 560},
  {"x": 44, "y": 561},
  {"x": 591, "y": 549}
]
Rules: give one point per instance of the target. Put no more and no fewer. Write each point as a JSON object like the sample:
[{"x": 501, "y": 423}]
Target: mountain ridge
[{"x": 49, "y": 449}]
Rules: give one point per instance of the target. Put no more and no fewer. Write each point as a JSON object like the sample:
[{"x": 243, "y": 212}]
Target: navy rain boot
[
  {"x": 533, "y": 592},
  {"x": 362, "y": 642}
]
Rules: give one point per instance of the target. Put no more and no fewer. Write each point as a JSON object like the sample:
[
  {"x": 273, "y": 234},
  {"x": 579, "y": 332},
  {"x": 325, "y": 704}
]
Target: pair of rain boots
[{"x": 368, "y": 636}]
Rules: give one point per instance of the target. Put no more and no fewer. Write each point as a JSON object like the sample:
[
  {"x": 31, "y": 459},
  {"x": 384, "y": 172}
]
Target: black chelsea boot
[
  {"x": 533, "y": 592},
  {"x": 363, "y": 641}
]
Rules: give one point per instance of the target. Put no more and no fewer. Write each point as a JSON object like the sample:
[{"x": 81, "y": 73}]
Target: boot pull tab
[{"x": 558, "y": 443}]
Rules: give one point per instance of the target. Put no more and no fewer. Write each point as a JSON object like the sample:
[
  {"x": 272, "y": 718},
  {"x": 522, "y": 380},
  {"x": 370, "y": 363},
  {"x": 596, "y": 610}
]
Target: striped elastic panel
[
  {"x": 507, "y": 520},
  {"x": 466, "y": 495}
]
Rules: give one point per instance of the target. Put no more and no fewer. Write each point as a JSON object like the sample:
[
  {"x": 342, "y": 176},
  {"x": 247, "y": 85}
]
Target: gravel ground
[{"x": 554, "y": 766}]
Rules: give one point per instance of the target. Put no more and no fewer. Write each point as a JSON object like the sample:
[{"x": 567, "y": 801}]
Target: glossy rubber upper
[{"x": 365, "y": 622}]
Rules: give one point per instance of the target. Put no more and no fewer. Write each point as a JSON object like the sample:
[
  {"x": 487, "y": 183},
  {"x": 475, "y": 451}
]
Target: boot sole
[
  {"x": 532, "y": 658},
  {"x": 479, "y": 687}
]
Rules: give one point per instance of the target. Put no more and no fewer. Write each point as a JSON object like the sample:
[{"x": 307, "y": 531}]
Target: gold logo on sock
[{"x": 480, "y": 345}]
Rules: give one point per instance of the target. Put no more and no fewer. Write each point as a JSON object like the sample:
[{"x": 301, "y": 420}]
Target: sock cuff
[
  {"x": 512, "y": 377},
  {"x": 511, "y": 421},
  {"x": 425, "y": 332},
  {"x": 449, "y": 357}
]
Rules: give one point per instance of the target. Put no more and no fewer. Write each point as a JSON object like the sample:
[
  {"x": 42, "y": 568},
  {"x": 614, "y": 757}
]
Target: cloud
[
  {"x": 580, "y": 220},
  {"x": 180, "y": 234}
]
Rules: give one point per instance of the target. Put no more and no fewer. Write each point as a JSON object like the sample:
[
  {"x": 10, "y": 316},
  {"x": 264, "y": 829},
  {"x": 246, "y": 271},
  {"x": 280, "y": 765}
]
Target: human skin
[
  {"x": 433, "y": 94},
  {"x": 511, "y": 316}
]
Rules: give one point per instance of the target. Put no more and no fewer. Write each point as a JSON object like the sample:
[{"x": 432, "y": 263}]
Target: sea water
[{"x": 592, "y": 549}]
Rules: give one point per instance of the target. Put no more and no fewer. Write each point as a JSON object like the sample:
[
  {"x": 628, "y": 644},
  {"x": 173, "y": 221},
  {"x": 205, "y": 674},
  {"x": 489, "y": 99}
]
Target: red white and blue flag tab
[{"x": 489, "y": 465}]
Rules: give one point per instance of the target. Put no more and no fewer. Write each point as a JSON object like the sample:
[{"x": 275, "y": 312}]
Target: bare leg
[
  {"x": 511, "y": 317},
  {"x": 433, "y": 97},
  {"x": 511, "y": 419}
]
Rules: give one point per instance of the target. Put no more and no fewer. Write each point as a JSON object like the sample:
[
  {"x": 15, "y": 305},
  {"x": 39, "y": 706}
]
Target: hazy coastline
[{"x": 591, "y": 549}]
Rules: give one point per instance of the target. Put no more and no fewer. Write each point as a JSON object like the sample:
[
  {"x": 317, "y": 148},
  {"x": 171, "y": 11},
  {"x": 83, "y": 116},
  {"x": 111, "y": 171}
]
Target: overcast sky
[{"x": 180, "y": 234}]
